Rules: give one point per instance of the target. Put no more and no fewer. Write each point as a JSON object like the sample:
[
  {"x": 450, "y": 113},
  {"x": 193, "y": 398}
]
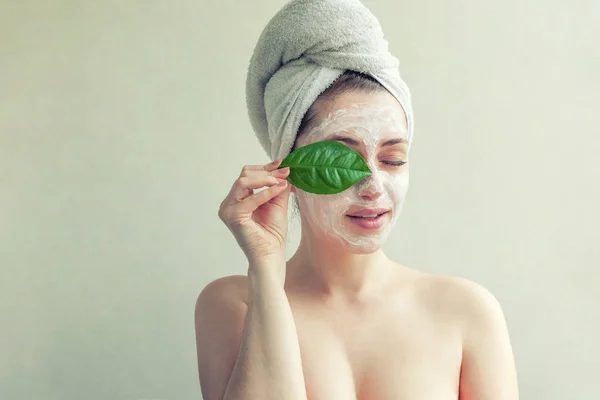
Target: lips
[
  {"x": 370, "y": 220},
  {"x": 367, "y": 212}
]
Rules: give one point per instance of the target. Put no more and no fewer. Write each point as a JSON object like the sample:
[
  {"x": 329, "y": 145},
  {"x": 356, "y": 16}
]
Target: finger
[
  {"x": 245, "y": 186},
  {"x": 273, "y": 165},
  {"x": 250, "y": 204},
  {"x": 248, "y": 184},
  {"x": 281, "y": 173},
  {"x": 248, "y": 169},
  {"x": 278, "y": 173},
  {"x": 282, "y": 199}
]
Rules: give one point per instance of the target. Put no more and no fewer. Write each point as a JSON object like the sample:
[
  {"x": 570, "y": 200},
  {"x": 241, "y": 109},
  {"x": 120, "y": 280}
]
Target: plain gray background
[{"x": 123, "y": 125}]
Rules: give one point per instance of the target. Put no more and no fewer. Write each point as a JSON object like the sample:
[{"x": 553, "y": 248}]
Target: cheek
[
  {"x": 398, "y": 187},
  {"x": 323, "y": 209}
]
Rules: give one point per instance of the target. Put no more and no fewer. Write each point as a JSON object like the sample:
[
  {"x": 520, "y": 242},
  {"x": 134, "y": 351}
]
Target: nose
[{"x": 371, "y": 187}]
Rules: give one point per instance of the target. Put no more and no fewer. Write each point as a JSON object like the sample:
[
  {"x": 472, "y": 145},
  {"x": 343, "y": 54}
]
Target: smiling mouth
[{"x": 374, "y": 216}]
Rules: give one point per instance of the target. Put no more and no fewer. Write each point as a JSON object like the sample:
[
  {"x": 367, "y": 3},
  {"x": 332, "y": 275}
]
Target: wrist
[
  {"x": 267, "y": 263},
  {"x": 267, "y": 272}
]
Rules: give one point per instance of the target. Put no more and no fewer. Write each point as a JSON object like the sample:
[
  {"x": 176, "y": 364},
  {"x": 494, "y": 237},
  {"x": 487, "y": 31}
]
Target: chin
[{"x": 362, "y": 245}]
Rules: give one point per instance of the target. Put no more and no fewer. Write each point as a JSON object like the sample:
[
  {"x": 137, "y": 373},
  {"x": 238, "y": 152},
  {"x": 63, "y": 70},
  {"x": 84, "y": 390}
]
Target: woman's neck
[{"x": 334, "y": 270}]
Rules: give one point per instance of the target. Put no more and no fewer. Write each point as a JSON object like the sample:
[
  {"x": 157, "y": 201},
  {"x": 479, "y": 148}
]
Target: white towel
[{"x": 306, "y": 46}]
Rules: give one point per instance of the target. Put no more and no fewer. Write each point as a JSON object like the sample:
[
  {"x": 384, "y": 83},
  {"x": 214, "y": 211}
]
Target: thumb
[{"x": 282, "y": 199}]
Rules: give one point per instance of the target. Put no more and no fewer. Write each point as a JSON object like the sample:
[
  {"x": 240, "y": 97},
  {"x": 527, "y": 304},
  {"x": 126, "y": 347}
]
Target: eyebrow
[{"x": 354, "y": 142}]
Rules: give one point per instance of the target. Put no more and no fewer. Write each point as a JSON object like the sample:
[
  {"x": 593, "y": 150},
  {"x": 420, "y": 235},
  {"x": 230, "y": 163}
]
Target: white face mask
[{"x": 386, "y": 188}]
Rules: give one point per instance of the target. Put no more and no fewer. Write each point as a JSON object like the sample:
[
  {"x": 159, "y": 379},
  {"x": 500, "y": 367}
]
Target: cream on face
[{"x": 385, "y": 188}]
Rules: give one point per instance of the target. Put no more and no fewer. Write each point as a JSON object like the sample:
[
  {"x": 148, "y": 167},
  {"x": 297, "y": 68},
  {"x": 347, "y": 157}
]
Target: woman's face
[{"x": 375, "y": 126}]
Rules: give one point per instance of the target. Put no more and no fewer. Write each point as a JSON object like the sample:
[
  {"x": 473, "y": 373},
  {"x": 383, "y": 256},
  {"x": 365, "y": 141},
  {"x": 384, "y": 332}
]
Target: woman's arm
[
  {"x": 488, "y": 369},
  {"x": 261, "y": 362}
]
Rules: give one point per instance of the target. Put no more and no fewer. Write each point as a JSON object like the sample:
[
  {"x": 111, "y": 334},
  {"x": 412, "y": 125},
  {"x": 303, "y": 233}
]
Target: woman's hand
[{"x": 259, "y": 221}]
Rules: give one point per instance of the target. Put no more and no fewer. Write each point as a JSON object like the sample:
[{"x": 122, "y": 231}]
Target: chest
[{"x": 381, "y": 353}]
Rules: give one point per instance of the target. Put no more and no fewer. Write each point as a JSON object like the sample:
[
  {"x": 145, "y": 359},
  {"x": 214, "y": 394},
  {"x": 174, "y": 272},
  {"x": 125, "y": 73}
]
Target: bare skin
[
  {"x": 335, "y": 324},
  {"x": 410, "y": 340}
]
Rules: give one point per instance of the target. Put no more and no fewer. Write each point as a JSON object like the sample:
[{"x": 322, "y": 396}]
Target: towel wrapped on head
[{"x": 303, "y": 49}]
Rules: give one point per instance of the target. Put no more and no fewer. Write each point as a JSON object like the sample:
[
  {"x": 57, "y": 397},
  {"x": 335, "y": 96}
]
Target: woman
[{"x": 340, "y": 320}]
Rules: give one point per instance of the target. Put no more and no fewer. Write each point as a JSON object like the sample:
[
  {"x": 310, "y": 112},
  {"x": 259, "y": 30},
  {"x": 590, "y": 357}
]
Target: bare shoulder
[
  {"x": 460, "y": 291},
  {"x": 469, "y": 302},
  {"x": 219, "y": 321},
  {"x": 222, "y": 304},
  {"x": 224, "y": 291},
  {"x": 487, "y": 365},
  {"x": 221, "y": 308}
]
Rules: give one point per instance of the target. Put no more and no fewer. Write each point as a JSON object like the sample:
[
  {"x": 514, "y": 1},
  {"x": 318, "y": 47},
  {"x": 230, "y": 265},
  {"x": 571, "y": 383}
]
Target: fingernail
[{"x": 282, "y": 183}]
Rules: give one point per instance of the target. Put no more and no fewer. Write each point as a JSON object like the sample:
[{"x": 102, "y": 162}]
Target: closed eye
[{"x": 394, "y": 163}]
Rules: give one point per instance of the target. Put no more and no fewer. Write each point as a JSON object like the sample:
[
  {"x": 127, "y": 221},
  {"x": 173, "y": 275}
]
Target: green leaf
[{"x": 325, "y": 167}]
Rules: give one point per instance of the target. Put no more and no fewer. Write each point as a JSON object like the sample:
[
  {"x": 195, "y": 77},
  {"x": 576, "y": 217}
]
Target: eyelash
[{"x": 395, "y": 163}]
